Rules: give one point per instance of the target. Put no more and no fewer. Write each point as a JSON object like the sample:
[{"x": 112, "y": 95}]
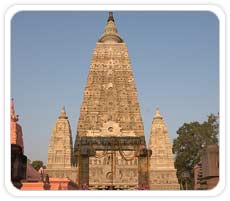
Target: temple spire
[
  {"x": 16, "y": 129},
  {"x": 110, "y": 34},
  {"x": 60, "y": 150},
  {"x": 157, "y": 113},
  {"x": 63, "y": 113},
  {"x": 161, "y": 163},
  {"x": 110, "y": 17},
  {"x": 12, "y": 111}
]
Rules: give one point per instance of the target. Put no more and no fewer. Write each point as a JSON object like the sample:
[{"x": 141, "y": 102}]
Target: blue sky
[{"x": 174, "y": 57}]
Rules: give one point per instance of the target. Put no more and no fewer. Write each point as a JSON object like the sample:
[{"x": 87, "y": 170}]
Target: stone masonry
[
  {"x": 110, "y": 108},
  {"x": 60, "y": 151},
  {"x": 162, "y": 174}
]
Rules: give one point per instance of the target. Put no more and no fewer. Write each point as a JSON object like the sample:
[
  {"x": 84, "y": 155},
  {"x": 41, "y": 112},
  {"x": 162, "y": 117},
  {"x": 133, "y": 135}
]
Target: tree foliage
[
  {"x": 37, "y": 164},
  {"x": 190, "y": 143}
]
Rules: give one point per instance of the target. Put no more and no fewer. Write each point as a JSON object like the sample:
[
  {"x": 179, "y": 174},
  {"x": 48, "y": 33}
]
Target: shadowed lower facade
[{"x": 110, "y": 150}]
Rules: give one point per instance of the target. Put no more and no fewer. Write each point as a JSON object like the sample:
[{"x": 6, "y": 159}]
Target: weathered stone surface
[
  {"x": 110, "y": 150},
  {"x": 60, "y": 151},
  {"x": 162, "y": 174},
  {"x": 110, "y": 105},
  {"x": 110, "y": 108}
]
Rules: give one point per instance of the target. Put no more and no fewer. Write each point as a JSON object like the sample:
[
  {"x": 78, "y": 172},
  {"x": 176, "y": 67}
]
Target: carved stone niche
[{"x": 111, "y": 128}]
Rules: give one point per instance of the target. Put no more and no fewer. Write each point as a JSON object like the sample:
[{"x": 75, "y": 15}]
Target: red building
[{"x": 18, "y": 159}]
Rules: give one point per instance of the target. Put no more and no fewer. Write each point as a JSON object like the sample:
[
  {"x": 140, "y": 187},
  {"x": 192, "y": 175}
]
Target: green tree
[
  {"x": 37, "y": 164},
  {"x": 190, "y": 143}
]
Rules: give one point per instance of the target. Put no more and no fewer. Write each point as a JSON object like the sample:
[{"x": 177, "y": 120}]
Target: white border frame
[{"x": 222, "y": 62}]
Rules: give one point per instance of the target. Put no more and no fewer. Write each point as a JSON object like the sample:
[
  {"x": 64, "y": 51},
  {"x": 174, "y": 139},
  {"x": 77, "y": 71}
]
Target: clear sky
[{"x": 174, "y": 57}]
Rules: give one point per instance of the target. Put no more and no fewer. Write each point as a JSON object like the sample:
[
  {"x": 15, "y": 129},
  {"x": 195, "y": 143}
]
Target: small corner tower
[
  {"x": 162, "y": 173},
  {"x": 60, "y": 150}
]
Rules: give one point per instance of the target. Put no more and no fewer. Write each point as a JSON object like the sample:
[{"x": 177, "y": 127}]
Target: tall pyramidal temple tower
[
  {"x": 110, "y": 151},
  {"x": 60, "y": 150},
  {"x": 110, "y": 96},
  {"x": 162, "y": 174},
  {"x": 110, "y": 144}
]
